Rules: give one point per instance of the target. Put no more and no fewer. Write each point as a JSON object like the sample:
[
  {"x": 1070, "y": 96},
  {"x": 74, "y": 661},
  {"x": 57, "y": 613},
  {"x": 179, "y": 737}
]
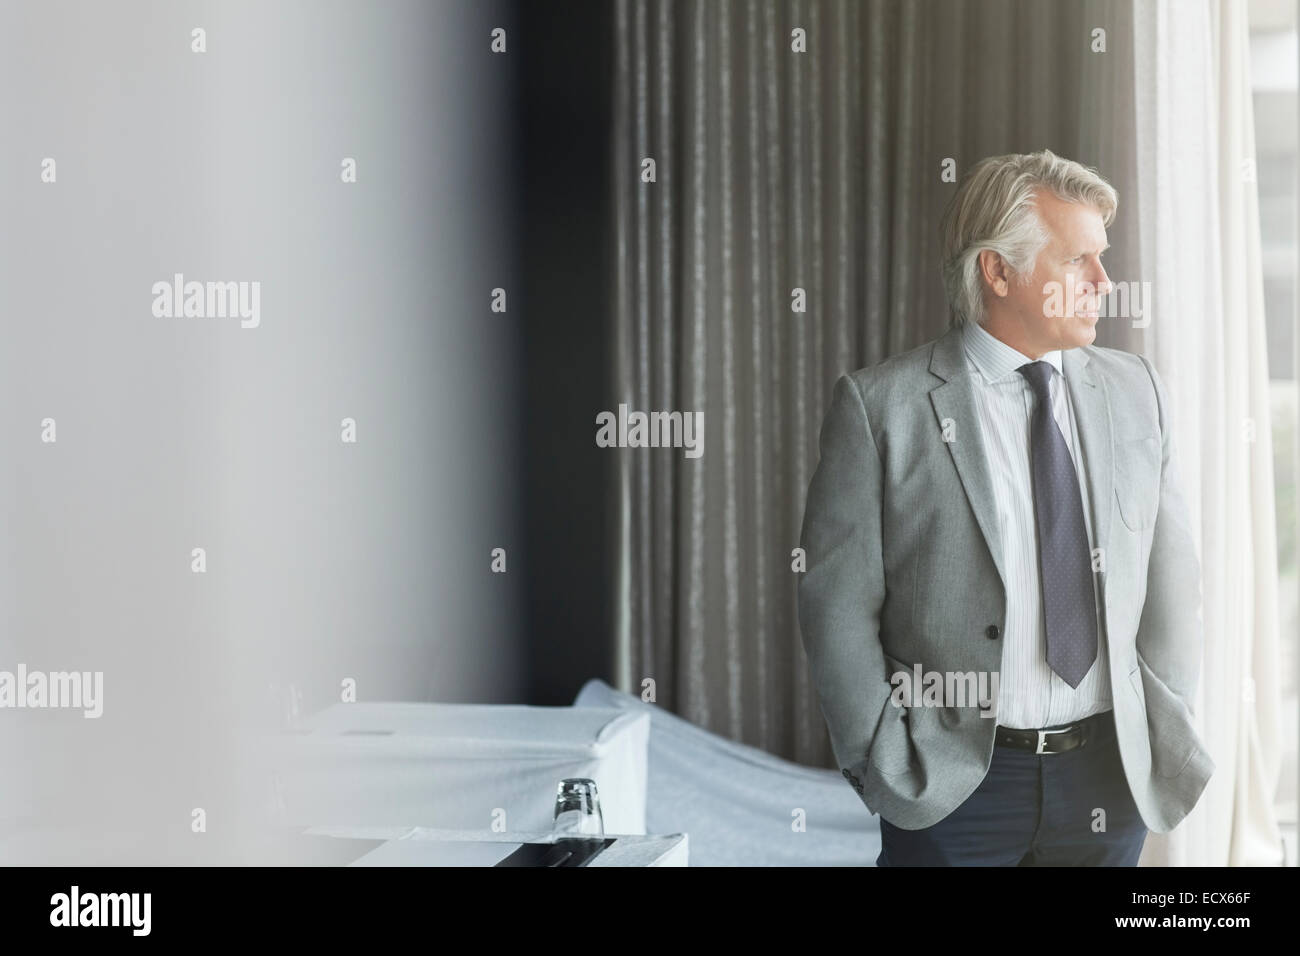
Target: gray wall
[{"x": 325, "y": 560}]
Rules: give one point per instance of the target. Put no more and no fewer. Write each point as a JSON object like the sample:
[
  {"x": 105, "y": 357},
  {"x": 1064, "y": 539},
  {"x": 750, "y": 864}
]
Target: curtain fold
[{"x": 790, "y": 233}]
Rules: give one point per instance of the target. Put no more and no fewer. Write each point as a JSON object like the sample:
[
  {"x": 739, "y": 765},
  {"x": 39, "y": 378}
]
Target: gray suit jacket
[{"x": 904, "y": 568}]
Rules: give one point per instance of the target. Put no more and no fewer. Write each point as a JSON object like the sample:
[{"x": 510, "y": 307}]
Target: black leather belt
[{"x": 1052, "y": 740}]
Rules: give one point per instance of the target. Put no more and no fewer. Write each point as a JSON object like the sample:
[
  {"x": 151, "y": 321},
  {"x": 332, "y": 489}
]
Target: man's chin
[{"x": 1083, "y": 331}]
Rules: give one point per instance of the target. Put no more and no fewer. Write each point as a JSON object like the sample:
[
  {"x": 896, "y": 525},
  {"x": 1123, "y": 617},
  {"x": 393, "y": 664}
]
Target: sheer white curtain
[{"x": 1194, "y": 200}]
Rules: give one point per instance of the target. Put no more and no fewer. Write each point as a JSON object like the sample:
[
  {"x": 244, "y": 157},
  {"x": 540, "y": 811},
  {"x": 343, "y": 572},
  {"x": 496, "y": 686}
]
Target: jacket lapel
[
  {"x": 1092, "y": 420},
  {"x": 955, "y": 400}
]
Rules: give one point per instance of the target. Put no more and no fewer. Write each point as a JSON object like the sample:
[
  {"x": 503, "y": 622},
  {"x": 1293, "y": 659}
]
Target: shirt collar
[{"x": 993, "y": 358}]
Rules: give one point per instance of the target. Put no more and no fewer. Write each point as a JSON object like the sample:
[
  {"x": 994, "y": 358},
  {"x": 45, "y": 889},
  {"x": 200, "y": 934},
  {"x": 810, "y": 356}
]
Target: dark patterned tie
[{"x": 1064, "y": 558}]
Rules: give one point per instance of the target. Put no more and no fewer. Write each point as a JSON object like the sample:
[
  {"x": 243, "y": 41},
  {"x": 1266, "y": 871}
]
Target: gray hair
[{"x": 993, "y": 208}]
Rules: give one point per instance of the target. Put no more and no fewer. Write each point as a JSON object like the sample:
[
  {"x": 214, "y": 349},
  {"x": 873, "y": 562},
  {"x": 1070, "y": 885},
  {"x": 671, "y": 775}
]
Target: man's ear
[{"x": 993, "y": 270}]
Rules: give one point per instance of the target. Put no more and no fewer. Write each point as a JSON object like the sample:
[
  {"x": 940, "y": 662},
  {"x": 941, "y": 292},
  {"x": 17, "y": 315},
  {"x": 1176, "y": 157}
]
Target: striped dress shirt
[{"x": 1030, "y": 693}]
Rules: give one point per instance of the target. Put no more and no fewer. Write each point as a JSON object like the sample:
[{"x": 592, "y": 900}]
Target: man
[{"x": 1001, "y": 508}]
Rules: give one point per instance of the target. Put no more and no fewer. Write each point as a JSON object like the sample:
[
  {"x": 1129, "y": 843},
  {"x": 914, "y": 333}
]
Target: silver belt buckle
[{"x": 1042, "y": 738}]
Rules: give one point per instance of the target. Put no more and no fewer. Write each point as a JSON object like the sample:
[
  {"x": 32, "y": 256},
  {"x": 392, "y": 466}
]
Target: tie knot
[{"x": 1038, "y": 374}]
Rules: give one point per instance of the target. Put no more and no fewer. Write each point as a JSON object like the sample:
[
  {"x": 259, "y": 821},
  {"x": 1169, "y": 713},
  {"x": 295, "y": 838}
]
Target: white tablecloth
[
  {"x": 458, "y": 766},
  {"x": 741, "y": 805}
]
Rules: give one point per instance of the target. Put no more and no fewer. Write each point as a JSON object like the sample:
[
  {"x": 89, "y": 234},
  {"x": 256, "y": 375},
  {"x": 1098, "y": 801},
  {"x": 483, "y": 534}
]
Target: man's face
[{"x": 1057, "y": 308}]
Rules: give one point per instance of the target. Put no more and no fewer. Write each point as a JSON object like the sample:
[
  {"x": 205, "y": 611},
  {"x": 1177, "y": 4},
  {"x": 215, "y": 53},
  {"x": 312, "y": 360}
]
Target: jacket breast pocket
[{"x": 1137, "y": 481}]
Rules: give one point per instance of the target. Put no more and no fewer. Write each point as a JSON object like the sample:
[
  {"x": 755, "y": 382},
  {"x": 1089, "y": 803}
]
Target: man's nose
[{"x": 1100, "y": 281}]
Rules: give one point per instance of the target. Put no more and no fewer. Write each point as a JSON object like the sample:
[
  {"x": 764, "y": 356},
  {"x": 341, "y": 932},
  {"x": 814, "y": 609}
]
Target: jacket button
[{"x": 992, "y": 632}]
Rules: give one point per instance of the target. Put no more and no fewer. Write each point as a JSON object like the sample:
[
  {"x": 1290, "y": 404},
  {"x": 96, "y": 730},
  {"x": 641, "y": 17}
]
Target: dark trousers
[{"x": 1033, "y": 810}]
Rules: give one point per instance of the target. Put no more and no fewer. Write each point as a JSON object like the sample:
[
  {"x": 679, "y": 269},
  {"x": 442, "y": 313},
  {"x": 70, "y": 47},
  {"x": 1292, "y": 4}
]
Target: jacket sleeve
[
  {"x": 1170, "y": 637},
  {"x": 843, "y": 588}
]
